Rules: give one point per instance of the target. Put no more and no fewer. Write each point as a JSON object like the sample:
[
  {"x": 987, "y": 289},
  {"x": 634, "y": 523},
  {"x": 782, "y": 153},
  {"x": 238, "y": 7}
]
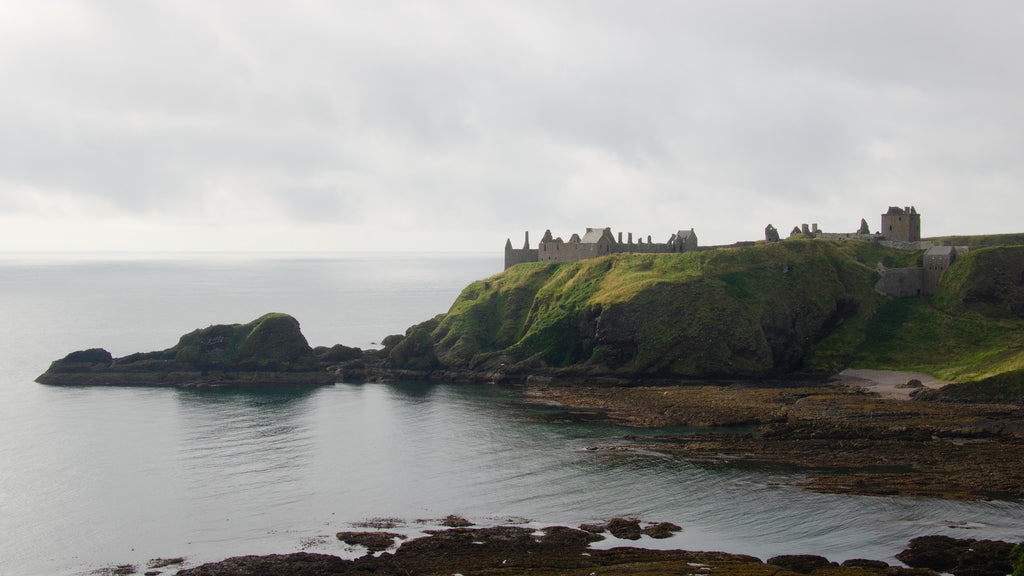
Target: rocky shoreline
[
  {"x": 461, "y": 548},
  {"x": 842, "y": 439}
]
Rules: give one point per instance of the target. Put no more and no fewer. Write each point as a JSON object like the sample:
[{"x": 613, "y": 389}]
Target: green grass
[
  {"x": 772, "y": 308},
  {"x": 981, "y": 241},
  {"x": 910, "y": 334},
  {"x": 720, "y": 312}
]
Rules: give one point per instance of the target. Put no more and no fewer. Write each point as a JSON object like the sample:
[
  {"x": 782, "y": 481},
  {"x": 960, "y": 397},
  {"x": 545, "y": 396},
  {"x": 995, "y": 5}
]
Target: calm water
[{"x": 101, "y": 476}]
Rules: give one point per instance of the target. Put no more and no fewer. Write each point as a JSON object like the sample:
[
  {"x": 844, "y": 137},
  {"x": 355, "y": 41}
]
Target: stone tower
[{"x": 901, "y": 224}]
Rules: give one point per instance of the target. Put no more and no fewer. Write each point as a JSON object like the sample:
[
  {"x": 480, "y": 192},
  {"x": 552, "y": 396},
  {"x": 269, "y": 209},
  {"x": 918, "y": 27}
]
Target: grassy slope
[
  {"x": 981, "y": 241},
  {"x": 739, "y": 311},
  {"x": 752, "y": 311},
  {"x": 971, "y": 330}
]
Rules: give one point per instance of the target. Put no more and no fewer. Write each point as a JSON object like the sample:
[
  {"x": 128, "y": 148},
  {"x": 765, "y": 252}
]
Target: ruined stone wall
[
  {"x": 848, "y": 236},
  {"x": 651, "y": 248},
  {"x": 557, "y": 251},
  {"x": 515, "y": 256},
  {"x": 918, "y": 245},
  {"x": 901, "y": 282}
]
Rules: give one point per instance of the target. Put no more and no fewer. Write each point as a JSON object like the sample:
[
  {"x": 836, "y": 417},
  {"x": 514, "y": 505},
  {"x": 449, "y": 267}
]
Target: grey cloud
[{"x": 525, "y": 112}]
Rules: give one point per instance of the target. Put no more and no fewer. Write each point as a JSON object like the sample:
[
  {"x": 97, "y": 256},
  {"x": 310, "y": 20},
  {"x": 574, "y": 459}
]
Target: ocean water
[{"x": 96, "y": 477}]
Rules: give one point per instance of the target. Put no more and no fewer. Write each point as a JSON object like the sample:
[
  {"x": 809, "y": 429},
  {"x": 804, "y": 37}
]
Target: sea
[{"x": 92, "y": 478}]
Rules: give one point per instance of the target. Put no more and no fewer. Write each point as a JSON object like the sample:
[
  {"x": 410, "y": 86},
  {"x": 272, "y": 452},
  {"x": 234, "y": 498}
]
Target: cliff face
[{"x": 744, "y": 312}]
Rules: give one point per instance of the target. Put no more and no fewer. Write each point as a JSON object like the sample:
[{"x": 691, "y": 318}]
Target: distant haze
[{"x": 453, "y": 125}]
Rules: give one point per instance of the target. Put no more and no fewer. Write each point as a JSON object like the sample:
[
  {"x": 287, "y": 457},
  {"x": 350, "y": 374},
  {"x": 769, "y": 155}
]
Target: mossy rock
[{"x": 272, "y": 342}]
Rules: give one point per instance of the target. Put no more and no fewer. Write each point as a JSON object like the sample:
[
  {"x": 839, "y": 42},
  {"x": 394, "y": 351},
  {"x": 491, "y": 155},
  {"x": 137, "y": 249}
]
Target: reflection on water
[
  {"x": 236, "y": 443},
  {"x": 214, "y": 473}
]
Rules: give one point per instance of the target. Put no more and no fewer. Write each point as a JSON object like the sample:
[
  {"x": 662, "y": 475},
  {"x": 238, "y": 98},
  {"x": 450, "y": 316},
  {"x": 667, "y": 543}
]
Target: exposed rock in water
[
  {"x": 627, "y": 529},
  {"x": 662, "y": 530},
  {"x": 801, "y": 563},
  {"x": 270, "y": 350},
  {"x": 297, "y": 564},
  {"x": 556, "y": 550},
  {"x": 453, "y": 521},
  {"x": 864, "y": 563},
  {"x": 961, "y": 557},
  {"x": 372, "y": 541}
]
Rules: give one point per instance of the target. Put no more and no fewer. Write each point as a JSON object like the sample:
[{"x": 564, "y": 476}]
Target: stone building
[
  {"x": 901, "y": 224},
  {"x": 596, "y": 242}
]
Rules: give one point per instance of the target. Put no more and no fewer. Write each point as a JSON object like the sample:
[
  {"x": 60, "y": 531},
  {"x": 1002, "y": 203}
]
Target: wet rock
[
  {"x": 662, "y": 530},
  {"x": 507, "y": 550},
  {"x": 120, "y": 570},
  {"x": 380, "y": 523},
  {"x": 862, "y": 563},
  {"x": 961, "y": 557},
  {"x": 464, "y": 549},
  {"x": 297, "y": 564},
  {"x": 985, "y": 558},
  {"x": 453, "y": 521},
  {"x": 801, "y": 563},
  {"x": 164, "y": 562},
  {"x": 625, "y": 528},
  {"x": 569, "y": 538},
  {"x": 372, "y": 541},
  {"x": 935, "y": 552}
]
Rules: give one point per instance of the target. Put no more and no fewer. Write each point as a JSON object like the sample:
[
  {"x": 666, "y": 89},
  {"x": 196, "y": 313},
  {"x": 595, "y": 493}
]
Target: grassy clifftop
[
  {"x": 771, "y": 309},
  {"x": 747, "y": 312}
]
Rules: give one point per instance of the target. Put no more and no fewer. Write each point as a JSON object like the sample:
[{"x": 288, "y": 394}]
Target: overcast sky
[{"x": 449, "y": 125}]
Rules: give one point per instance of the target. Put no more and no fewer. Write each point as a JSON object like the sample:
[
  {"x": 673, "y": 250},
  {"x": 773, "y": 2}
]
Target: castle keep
[{"x": 595, "y": 242}]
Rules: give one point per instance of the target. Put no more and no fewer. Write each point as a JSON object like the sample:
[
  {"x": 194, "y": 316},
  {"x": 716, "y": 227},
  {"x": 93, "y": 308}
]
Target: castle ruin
[
  {"x": 900, "y": 229},
  {"x": 596, "y": 242}
]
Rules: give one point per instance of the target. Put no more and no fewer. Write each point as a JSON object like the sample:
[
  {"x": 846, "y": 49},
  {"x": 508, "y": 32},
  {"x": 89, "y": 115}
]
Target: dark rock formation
[
  {"x": 864, "y": 563},
  {"x": 626, "y": 528},
  {"x": 661, "y": 530},
  {"x": 338, "y": 353},
  {"x": 801, "y": 563},
  {"x": 453, "y": 521},
  {"x": 270, "y": 350},
  {"x": 372, "y": 541},
  {"x": 297, "y": 564},
  {"x": 961, "y": 557}
]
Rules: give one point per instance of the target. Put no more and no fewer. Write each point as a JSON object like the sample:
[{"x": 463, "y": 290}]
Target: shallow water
[{"x": 101, "y": 476}]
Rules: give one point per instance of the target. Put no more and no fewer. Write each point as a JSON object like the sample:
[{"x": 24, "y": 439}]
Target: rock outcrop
[{"x": 270, "y": 350}]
